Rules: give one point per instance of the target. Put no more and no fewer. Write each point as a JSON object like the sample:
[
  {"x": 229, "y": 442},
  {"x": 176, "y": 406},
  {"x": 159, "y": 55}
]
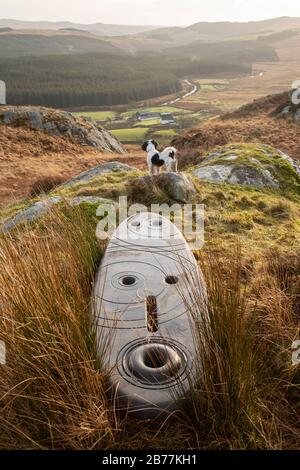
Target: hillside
[
  {"x": 217, "y": 31},
  {"x": 28, "y": 157},
  {"x": 252, "y": 123},
  {"x": 230, "y": 29},
  {"x": 22, "y": 43},
  {"x": 98, "y": 28},
  {"x": 49, "y": 146},
  {"x": 228, "y": 51},
  {"x": 79, "y": 67},
  {"x": 49, "y": 256},
  {"x": 76, "y": 80}
]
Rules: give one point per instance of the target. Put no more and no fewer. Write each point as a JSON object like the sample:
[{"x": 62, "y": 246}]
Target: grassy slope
[
  {"x": 251, "y": 265},
  {"x": 250, "y": 124},
  {"x": 97, "y": 115},
  {"x": 28, "y": 156},
  {"x": 249, "y": 401},
  {"x": 17, "y": 44}
]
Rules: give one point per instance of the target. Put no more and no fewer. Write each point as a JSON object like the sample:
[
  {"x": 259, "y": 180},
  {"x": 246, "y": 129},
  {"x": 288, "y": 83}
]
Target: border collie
[{"x": 156, "y": 159}]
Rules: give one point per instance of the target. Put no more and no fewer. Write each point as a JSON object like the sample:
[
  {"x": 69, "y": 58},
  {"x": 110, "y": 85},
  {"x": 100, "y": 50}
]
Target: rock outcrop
[
  {"x": 97, "y": 171},
  {"x": 30, "y": 213},
  {"x": 63, "y": 124},
  {"x": 291, "y": 108},
  {"x": 252, "y": 165},
  {"x": 39, "y": 208}
]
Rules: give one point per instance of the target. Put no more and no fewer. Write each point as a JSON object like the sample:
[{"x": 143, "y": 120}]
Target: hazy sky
[{"x": 154, "y": 12}]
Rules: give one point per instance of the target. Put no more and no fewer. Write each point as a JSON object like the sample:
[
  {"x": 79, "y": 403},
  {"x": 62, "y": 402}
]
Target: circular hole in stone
[
  {"x": 128, "y": 280},
  {"x": 171, "y": 280},
  {"x": 155, "y": 357},
  {"x": 156, "y": 223},
  {"x": 154, "y": 363},
  {"x": 136, "y": 223}
]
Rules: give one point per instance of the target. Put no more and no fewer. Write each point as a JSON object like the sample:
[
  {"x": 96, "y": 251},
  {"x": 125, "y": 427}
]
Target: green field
[
  {"x": 164, "y": 136},
  {"x": 207, "y": 87},
  {"x": 97, "y": 115},
  {"x": 158, "y": 109},
  {"x": 139, "y": 129},
  {"x": 148, "y": 123},
  {"x": 130, "y": 135},
  {"x": 166, "y": 133}
]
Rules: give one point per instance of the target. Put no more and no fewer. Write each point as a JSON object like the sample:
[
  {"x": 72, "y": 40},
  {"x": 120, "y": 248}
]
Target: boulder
[
  {"x": 61, "y": 123},
  {"x": 176, "y": 186},
  {"x": 291, "y": 109},
  {"x": 97, "y": 171},
  {"x": 251, "y": 165}
]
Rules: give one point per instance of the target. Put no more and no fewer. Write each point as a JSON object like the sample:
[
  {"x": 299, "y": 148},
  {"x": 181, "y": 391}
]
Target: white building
[{"x": 2, "y": 92}]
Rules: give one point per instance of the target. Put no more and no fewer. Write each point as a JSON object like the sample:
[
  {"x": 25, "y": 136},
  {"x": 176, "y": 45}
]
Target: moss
[
  {"x": 255, "y": 219},
  {"x": 12, "y": 210},
  {"x": 248, "y": 217},
  {"x": 262, "y": 157},
  {"x": 108, "y": 185}
]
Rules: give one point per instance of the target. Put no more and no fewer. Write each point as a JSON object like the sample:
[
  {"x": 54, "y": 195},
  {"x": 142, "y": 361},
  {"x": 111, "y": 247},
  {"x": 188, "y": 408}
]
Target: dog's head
[{"x": 150, "y": 145}]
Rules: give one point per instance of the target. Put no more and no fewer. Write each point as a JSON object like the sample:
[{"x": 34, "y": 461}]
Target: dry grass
[
  {"x": 45, "y": 185},
  {"x": 27, "y": 156},
  {"x": 242, "y": 400},
  {"x": 278, "y": 133},
  {"x": 53, "y": 391}
]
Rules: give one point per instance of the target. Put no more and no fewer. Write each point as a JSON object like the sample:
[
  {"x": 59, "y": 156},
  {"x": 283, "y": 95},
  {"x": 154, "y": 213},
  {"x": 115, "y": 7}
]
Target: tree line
[{"x": 99, "y": 79}]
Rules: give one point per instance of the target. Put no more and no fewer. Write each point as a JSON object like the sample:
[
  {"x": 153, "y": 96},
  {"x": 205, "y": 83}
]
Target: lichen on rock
[
  {"x": 255, "y": 165},
  {"x": 61, "y": 123}
]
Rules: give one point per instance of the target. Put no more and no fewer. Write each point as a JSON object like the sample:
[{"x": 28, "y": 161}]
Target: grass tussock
[
  {"x": 53, "y": 390},
  {"x": 242, "y": 400},
  {"x": 45, "y": 185}
]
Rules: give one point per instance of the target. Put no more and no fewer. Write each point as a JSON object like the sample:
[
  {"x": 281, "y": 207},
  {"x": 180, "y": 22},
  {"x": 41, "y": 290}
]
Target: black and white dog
[{"x": 156, "y": 159}]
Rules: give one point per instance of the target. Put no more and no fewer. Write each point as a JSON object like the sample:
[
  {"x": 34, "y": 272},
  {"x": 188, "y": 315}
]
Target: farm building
[
  {"x": 167, "y": 118},
  {"x": 144, "y": 116}
]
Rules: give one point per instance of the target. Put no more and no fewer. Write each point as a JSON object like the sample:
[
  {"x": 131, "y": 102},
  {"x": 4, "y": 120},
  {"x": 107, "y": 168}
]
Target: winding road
[{"x": 180, "y": 98}]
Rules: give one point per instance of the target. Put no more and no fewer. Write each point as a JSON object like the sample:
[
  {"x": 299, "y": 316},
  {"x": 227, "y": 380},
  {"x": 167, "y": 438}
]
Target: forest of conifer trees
[{"x": 98, "y": 79}]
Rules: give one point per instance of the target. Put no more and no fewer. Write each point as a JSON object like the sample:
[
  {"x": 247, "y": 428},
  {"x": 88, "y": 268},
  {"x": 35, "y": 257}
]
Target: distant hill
[
  {"x": 229, "y": 29},
  {"x": 151, "y": 38},
  {"x": 100, "y": 29},
  {"x": 72, "y": 30},
  {"x": 210, "y": 31},
  {"x": 14, "y": 44},
  {"x": 89, "y": 79},
  {"x": 227, "y": 51}
]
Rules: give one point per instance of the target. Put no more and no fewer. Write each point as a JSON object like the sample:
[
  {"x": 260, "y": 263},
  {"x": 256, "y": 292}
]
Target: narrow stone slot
[{"x": 152, "y": 320}]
